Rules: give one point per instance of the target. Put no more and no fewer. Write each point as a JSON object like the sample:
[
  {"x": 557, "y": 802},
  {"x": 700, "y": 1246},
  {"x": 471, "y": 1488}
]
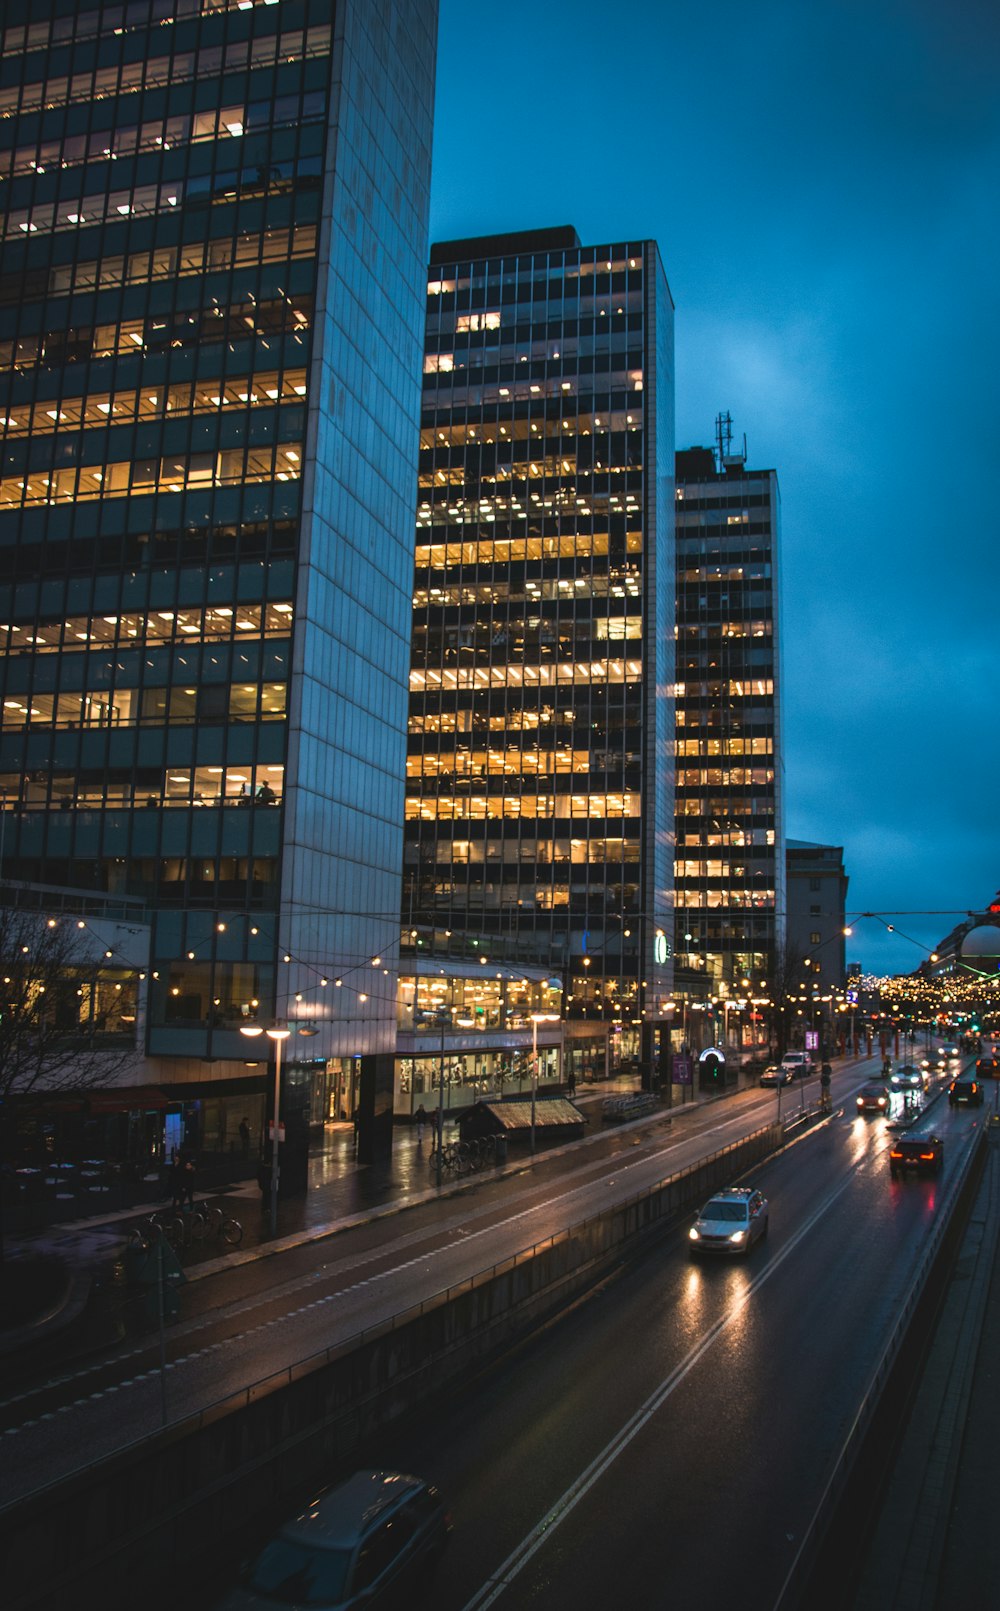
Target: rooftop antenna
[{"x": 728, "y": 460}]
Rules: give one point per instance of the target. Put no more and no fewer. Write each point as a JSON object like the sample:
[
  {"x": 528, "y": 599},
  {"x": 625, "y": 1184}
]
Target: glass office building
[
  {"x": 539, "y": 798},
  {"x": 730, "y": 858},
  {"x": 211, "y": 325}
]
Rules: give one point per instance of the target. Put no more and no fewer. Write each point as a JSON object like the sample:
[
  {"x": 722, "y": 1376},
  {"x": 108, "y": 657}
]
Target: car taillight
[
  {"x": 895, "y": 1155},
  {"x": 928, "y": 1157}
]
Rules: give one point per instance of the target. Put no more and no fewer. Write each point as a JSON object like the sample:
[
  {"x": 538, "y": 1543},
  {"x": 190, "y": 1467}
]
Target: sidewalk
[{"x": 340, "y": 1191}]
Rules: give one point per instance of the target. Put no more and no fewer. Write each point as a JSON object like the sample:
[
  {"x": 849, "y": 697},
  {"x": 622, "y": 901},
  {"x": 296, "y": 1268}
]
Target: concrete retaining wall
[{"x": 144, "y": 1522}]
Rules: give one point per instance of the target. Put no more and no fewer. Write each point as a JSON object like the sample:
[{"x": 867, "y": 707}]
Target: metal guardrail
[
  {"x": 804, "y": 1560},
  {"x": 276, "y": 1380}
]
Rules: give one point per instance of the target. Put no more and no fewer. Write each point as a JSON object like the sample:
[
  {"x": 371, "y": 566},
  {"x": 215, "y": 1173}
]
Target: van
[{"x": 798, "y": 1063}]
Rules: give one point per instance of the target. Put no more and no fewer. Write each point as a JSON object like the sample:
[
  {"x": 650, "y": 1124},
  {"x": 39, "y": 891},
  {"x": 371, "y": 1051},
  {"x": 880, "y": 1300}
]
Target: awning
[
  {"x": 516, "y": 1115},
  {"x": 128, "y": 1099}
]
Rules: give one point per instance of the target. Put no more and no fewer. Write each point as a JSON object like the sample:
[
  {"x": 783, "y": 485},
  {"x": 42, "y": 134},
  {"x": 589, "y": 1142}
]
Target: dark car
[
  {"x": 370, "y": 1541},
  {"x": 925, "y": 1154},
  {"x": 988, "y": 1068},
  {"x": 774, "y": 1074},
  {"x": 966, "y": 1089},
  {"x": 872, "y": 1098}
]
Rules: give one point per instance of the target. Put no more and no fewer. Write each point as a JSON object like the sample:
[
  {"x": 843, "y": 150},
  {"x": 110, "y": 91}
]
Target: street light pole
[
  {"x": 278, "y": 1034},
  {"x": 534, "y": 1074},
  {"x": 440, "y": 1126},
  {"x": 536, "y": 1019}
]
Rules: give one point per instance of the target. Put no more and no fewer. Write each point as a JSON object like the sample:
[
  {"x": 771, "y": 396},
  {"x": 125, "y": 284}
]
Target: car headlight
[
  {"x": 738, "y": 1236},
  {"x": 694, "y": 1234},
  {"x": 881, "y": 1101}
]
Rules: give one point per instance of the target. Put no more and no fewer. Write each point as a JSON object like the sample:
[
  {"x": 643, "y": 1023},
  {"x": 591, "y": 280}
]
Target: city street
[{"x": 251, "y": 1315}]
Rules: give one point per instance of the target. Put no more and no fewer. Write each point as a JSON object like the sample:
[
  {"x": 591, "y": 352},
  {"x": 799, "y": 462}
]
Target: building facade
[
  {"x": 211, "y": 325},
  {"x": 817, "y": 905},
  {"x": 730, "y": 849},
  {"x": 539, "y": 806}
]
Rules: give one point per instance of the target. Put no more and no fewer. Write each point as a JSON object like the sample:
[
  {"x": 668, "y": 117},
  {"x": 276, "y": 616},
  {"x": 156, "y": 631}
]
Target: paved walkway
[{"x": 339, "y": 1191}]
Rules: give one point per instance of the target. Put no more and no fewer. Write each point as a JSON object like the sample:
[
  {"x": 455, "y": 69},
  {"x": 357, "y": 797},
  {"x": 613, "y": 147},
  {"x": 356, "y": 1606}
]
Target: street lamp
[
  {"x": 536, "y": 1019},
  {"x": 278, "y": 1034}
]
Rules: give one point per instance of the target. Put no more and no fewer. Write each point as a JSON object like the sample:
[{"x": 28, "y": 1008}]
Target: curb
[{"x": 68, "y": 1308}]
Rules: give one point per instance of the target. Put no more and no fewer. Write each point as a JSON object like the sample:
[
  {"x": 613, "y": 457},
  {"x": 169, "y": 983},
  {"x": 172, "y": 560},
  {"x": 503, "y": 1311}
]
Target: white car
[
  {"x": 730, "y": 1222},
  {"x": 798, "y": 1064}
]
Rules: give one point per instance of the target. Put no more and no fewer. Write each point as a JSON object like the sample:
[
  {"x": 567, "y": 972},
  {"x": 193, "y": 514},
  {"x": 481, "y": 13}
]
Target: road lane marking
[
  {"x": 620, "y": 1165},
  {"x": 523, "y": 1552}
]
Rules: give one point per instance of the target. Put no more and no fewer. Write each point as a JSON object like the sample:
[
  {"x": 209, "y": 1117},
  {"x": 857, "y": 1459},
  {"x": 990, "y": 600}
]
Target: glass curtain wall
[
  {"x": 531, "y": 806},
  {"x": 729, "y": 824}
]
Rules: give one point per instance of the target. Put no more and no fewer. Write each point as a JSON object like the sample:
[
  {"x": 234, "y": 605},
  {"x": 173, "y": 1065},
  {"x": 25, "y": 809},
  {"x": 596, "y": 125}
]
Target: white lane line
[
  {"x": 522, "y": 1553},
  {"x": 247, "y": 1305},
  {"x": 621, "y": 1167}
]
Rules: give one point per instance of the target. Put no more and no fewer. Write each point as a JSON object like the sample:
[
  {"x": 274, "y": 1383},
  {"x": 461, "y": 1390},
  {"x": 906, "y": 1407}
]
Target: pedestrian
[
  {"x": 420, "y": 1118},
  {"x": 571, "y": 1083},
  {"x": 187, "y": 1183},
  {"x": 175, "y": 1179},
  {"x": 245, "y": 1137}
]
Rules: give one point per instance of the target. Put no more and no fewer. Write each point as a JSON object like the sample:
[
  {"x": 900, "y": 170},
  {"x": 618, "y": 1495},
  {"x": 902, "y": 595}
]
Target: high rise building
[
  {"x": 539, "y": 778},
  {"x": 730, "y": 850},
  {"x": 211, "y": 325}
]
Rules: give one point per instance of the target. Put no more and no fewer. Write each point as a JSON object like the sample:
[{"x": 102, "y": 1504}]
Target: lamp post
[
  {"x": 444, "y": 1018},
  {"x": 278, "y": 1034},
  {"x": 536, "y": 1019}
]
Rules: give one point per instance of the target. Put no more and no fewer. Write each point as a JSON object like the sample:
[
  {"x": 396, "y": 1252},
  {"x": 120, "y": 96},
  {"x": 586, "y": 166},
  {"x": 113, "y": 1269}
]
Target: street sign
[
  {"x": 682, "y": 1070},
  {"x": 812, "y": 1040},
  {"x": 270, "y": 1131}
]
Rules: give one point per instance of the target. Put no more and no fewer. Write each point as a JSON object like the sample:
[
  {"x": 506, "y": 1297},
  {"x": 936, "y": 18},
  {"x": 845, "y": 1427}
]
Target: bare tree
[
  {"x": 783, "y": 989},
  {"x": 67, "y": 1009},
  {"x": 68, "y": 1012}
]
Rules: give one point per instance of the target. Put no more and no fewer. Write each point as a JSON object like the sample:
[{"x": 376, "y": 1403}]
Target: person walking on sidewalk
[
  {"x": 420, "y": 1119},
  {"x": 175, "y": 1180}
]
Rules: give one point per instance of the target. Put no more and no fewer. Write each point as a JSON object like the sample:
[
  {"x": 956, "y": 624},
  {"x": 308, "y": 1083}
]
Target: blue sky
[{"x": 823, "y": 184}]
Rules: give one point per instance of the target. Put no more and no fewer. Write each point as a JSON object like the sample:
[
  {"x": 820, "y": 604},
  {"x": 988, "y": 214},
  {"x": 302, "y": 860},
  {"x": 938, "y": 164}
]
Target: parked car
[
  {"x": 924, "y": 1153},
  {"x": 966, "y": 1088},
  {"x": 775, "y": 1075},
  {"x": 872, "y": 1098},
  {"x": 730, "y": 1222},
  {"x": 370, "y": 1541}
]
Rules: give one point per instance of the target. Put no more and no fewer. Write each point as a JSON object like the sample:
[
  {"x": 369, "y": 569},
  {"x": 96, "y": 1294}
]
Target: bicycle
[
  {"x": 169, "y": 1228},
  {"x": 453, "y": 1155},
  {"x": 218, "y": 1222}
]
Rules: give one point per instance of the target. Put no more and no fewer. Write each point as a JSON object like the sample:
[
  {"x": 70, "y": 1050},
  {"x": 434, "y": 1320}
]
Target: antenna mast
[{"x": 723, "y": 437}]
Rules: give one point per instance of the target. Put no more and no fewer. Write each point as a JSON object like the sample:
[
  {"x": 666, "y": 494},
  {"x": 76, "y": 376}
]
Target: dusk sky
[{"x": 823, "y": 185}]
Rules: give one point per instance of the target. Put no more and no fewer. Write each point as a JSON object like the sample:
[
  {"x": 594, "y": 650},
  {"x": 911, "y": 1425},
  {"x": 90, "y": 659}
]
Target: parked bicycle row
[
  {"x": 202, "y": 1223},
  {"x": 465, "y": 1156}
]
